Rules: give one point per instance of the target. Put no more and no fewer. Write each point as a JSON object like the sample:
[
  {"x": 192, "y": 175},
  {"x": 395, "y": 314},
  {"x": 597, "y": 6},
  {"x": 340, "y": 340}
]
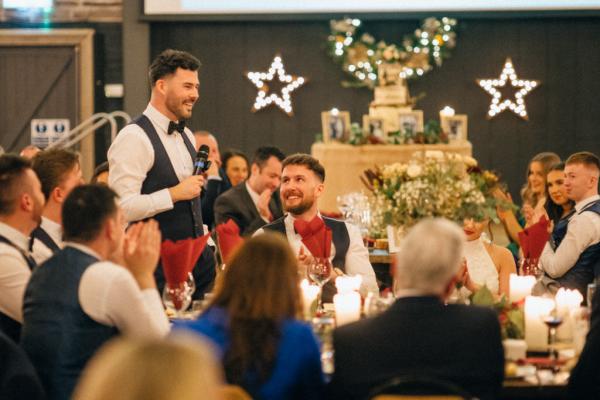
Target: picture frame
[
  {"x": 336, "y": 126},
  {"x": 375, "y": 126},
  {"x": 455, "y": 127},
  {"x": 410, "y": 121}
]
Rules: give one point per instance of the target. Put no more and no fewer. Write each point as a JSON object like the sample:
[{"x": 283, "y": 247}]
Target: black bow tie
[{"x": 176, "y": 126}]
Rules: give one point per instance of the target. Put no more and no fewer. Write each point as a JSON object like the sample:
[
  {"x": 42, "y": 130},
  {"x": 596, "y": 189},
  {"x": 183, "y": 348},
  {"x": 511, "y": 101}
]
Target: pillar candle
[
  {"x": 536, "y": 331},
  {"x": 309, "y": 295},
  {"x": 567, "y": 300},
  {"x": 347, "y": 307},
  {"x": 520, "y": 286}
]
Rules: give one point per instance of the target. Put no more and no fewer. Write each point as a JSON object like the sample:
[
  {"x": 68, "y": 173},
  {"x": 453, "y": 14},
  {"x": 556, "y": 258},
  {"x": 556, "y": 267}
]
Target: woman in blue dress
[{"x": 252, "y": 321}]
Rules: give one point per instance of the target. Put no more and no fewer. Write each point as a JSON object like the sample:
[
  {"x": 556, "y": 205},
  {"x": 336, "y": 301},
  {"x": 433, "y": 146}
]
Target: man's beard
[
  {"x": 301, "y": 208},
  {"x": 177, "y": 107}
]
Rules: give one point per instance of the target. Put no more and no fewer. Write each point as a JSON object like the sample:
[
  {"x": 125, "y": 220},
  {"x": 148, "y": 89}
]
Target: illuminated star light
[
  {"x": 282, "y": 100},
  {"x": 498, "y": 104}
]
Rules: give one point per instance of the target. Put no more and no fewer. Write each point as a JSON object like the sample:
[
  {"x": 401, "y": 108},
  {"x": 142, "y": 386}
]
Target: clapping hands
[{"x": 141, "y": 251}]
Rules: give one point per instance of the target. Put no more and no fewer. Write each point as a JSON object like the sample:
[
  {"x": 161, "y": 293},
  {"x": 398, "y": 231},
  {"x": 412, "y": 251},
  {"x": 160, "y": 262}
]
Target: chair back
[
  {"x": 419, "y": 388},
  {"x": 233, "y": 392}
]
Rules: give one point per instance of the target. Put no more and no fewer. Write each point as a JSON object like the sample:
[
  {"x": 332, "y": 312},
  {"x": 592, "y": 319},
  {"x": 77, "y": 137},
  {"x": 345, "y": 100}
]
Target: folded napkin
[
  {"x": 179, "y": 258},
  {"x": 228, "y": 235},
  {"x": 316, "y": 236},
  {"x": 534, "y": 238}
]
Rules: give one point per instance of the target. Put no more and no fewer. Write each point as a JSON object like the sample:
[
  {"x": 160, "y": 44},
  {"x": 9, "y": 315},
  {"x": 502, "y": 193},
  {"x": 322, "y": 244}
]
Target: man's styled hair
[
  {"x": 262, "y": 155},
  {"x": 420, "y": 268},
  {"x": 169, "y": 61},
  {"x": 52, "y": 166},
  {"x": 307, "y": 161},
  {"x": 586, "y": 158},
  {"x": 12, "y": 170},
  {"x": 86, "y": 209}
]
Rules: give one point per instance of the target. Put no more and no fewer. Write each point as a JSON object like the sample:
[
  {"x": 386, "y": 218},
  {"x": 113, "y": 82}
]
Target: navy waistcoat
[
  {"x": 58, "y": 336},
  {"x": 184, "y": 220},
  {"x": 587, "y": 267}
]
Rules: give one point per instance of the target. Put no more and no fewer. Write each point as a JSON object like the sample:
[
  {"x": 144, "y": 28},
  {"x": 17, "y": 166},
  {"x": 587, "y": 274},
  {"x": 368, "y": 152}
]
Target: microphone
[{"x": 201, "y": 163}]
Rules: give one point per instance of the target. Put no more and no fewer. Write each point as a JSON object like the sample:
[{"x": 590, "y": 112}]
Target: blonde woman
[{"x": 183, "y": 367}]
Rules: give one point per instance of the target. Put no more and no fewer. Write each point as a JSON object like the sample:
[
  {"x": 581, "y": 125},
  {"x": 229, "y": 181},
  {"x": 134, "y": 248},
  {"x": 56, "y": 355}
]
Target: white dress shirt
[
  {"x": 357, "y": 257},
  {"x": 583, "y": 231},
  {"x": 255, "y": 199},
  {"x": 14, "y": 272},
  {"x": 109, "y": 294},
  {"x": 131, "y": 156},
  {"x": 39, "y": 251}
]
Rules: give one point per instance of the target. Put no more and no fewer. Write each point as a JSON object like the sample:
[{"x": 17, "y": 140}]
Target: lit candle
[
  {"x": 536, "y": 332},
  {"x": 567, "y": 301},
  {"x": 520, "y": 287},
  {"x": 447, "y": 112},
  {"x": 309, "y": 295},
  {"x": 347, "y": 307},
  {"x": 347, "y": 284}
]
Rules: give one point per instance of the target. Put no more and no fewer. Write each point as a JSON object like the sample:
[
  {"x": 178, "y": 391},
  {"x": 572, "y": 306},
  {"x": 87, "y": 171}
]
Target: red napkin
[
  {"x": 228, "y": 235},
  {"x": 316, "y": 236},
  {"x": 534, "y": 238},
  {"x": 179, "y": 258}
]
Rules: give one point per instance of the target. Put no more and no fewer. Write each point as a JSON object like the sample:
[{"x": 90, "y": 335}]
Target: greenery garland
[{"x": 360, "y": 56}]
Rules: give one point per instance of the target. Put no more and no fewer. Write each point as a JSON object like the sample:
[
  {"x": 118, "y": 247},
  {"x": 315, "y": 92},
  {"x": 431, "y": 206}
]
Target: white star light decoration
[
  {"x": 264, "y": 98},
  {"x": 508, "y": 75}
]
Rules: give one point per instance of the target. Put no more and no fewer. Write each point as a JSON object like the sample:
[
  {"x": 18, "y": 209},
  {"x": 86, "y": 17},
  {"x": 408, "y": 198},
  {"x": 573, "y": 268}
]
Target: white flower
[
  {"x": 413, "y": 170},
  {"x": 469, "y": 161}
]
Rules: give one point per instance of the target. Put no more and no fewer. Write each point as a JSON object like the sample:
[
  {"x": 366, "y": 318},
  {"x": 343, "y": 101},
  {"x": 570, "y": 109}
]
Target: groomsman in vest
[
  {"x": 256, "y": 202},
  {"x": 216, "y": 180},
  {"x": 21, "y": 205},
  {"x": 59, "y": 172},
  {"x": 302, "y": 183},
  {"x": 152, "y": 161},
  {"x": 79, "y": 298},
  {"x": 572, "y": 257}
]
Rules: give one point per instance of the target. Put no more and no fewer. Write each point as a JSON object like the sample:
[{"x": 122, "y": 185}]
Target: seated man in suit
[
  {"x": 256, "y": 202},
  {"x": 216, "y": 179},
  {"x": 59, "y": 172},
  {"x": 572, "y": 257},
  {"x": 79, "y": 298},
  {"x": 302, "y": 184},
  {"x": 419, "y": 335}
]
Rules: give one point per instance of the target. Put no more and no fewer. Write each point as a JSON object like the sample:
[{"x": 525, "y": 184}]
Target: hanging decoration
[
  {"x": 265, "y": 97},
  {"x": 360, "y": 56},
  {"x": 516, "y": 105}
]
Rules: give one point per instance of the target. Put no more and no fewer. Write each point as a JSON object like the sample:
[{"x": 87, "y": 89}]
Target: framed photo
[
  {"x": 410, "y": 121},
  {"x": 374, "y": 126},
  {"x": 455, "y": 126},
  {"x": 336, "y": 126}
]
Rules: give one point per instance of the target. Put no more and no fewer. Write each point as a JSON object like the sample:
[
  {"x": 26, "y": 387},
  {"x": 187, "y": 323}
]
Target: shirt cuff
[
  {"x": 162, "y": 200},
  {"x": 214, "y": 178}
]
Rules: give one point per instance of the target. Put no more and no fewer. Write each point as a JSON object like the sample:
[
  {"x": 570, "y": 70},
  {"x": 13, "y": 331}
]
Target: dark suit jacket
[
  {"x": 213, "y": 189},
  {"x": 585, "y": 377},
  {"x": 420, "y": 336},
  {"x": 237, "y": 204},
  {"x": 18, "y": 379}
]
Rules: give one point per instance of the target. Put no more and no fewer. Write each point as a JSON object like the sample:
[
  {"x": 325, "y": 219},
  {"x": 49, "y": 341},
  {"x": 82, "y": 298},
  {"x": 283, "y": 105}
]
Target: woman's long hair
[
  {"x": 555, "y": 211},
  {"x": 547, "y": 159},
  {"x": 259, "y": 289}
]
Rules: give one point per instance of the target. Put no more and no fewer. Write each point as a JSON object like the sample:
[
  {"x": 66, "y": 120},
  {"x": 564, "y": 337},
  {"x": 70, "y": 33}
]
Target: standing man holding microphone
[{"x": 152, "y": 161}]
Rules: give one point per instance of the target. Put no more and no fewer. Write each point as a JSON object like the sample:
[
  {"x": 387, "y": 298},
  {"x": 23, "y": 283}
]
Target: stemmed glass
[
  {"x": 552, "y": 321},
  {"x": 530, "y": 266},
  {"x": 177, "y": 297},
  {"x": 319, "y": 271}
]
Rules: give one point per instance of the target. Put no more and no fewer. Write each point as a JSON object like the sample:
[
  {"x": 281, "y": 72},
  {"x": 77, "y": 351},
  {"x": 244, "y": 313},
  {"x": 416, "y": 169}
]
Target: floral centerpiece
[
  {"x": 434, "y": 184},
  {"x": 510, "y": 315}
]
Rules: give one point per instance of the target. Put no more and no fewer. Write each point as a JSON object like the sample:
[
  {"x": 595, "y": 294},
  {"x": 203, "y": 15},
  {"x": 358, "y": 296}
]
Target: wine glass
[
  {"x": 177, "y": 298},
  {"x": 552, "y": 321},
  {"x": 319, "y": 271}
]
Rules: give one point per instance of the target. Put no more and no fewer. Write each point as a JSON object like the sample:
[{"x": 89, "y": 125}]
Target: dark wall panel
[{"x": 564, "y": 112}]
